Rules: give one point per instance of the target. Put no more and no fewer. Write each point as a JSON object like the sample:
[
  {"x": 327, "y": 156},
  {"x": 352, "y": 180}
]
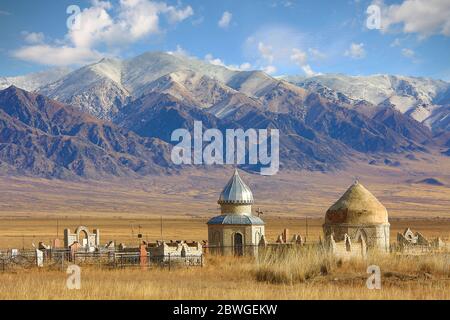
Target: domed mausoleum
[
  {"x": 359, "y": 215},
  {"x": 236, "y": 228}
]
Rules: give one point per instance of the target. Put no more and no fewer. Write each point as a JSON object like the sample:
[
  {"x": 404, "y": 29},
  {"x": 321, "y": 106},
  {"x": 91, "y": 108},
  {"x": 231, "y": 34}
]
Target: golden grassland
[
  {"x": 233, "y": 278},
  {"x": 195, "y": 193},
  {"x": 296, "y": 275}
]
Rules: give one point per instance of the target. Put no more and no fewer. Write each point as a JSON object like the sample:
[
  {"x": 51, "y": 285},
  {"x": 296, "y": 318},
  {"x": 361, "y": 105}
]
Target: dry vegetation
[{"x": 294, "y": 276}]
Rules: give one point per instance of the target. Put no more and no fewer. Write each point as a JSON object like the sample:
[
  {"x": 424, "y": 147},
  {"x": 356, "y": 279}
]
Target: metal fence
[{"x": 61, "y": 258}]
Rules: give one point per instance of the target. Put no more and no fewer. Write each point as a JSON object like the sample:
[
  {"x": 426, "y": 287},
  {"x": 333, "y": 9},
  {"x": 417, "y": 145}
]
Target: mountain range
[{"x": 115, "y": 117}]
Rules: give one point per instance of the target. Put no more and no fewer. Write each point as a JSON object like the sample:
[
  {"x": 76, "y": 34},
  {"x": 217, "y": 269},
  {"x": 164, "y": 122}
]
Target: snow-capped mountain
[
  {"x": 96, "y": 88},
  {"x": 36, "y": 80},
  {"x": 421, "y": 98},
  {"x": 323, "y": 120},
  {"x": 103, "y": 88}
]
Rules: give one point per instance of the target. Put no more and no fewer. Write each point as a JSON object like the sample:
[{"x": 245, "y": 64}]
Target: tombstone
[
  {"x": 42, "y": 246},
  {"x": 348, "y": 243},
  {"x": 91, "y": 239},
  {"x": 74, "y": 247},
  {"x": 298, "y": 240},
  {"x": 39, "y": 258},
  {"x": 363, "y": 247},
  {"x": 14, "y": 253},
  {"x": 262, "y": 241},
  {"x": 56, "y": 244},
  {"x": 110, "y": 245},
  {"x": 331, "y": 243},
  {"x": 285, "y": 235},
  {"x": 143, "y": 255},
  {"x": 438, "y": 243},
  {"x": 280, "y": 239},
  {"x": 421, "y": 240}
]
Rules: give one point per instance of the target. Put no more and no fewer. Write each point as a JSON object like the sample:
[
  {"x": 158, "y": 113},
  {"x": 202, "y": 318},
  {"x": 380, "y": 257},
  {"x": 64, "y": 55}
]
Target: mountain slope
[
  {"x": 42, "y": 137},
  {"x": 420, "y": 98},
  {"x": 96, "y": 89},
  {"x": 34, "y": 81}
]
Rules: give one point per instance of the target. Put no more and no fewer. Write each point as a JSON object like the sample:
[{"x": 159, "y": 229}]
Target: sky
[{"x": 281, "y": 37}]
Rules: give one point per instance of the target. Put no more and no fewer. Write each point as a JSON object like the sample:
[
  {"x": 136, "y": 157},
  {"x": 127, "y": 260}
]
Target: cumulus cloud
[
  {"x": 33, "y": 37},
  {"x": 102, "y": 25},
  {"x": 225, "y": 21},
  {"x": 270, "y": 70},
  {"x": 279, "y": 48},
  {"x": 316, "y": 54},
  {"x": 266, "y": 52},
  {"x": 356, "y": 51},
  {"x": 215, "y": 61},
  {"x": 300, "y": 58},
  {"x": 424, "y": 17},
  {"x": 180, "y": 51}
]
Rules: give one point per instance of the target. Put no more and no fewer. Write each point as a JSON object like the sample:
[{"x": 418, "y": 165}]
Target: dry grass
[
  {"x": 296, "y": 265},
  {"x": 292, "y": 265},
  {"x": 292, "y": 277}
]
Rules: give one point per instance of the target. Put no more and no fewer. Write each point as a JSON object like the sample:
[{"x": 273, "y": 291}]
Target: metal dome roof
[
  {"x": 236, "y": 220},
  {"x": 236, "y": 192}
]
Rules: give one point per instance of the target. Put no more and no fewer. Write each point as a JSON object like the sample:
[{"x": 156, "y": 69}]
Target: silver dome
[
  {"x": 234, "y": 219},
  {"x": 236, "y": 192}
]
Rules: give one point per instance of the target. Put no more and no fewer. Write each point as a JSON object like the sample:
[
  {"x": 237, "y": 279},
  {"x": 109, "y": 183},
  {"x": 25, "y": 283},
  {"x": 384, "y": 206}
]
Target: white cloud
[
  {"x": 356, "y": 51},
  {"x": 316, "y": 54},
  {"x": 284, "y": 3},
  {"x": 215, "y": 61},
  {"x": 225, "y": 21},
  {"x": 100, "y": 25},
  {"x": 245, "y": 66},
  {"x": 219, "y": 62},
  {"x": 308, "y": 71},
  {"x": 279, "y": 48},
  {"x": 266, "y": 52},
  {"x": 408, "y": 53},
  {"x": 180, "y": 51},
  {"x": 424, "y": 17},
  {"x": 176, "y": 15},
  {"x": 395, "y": 43},
  {"x": 33, "y": 37},
  {"x": 300, "y": 58},
  {"x": 57, "y": 56},
  {"x": 270, "y": 70}
]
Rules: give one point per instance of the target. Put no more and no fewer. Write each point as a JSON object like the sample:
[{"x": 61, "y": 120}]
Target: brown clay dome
[{"x": 357, "y": 206}]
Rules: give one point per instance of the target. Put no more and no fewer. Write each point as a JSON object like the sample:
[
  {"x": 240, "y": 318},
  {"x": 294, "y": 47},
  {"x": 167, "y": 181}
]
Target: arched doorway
[
  {"x": 83, "y": 238},
  {"x": 238, "y": 244}
]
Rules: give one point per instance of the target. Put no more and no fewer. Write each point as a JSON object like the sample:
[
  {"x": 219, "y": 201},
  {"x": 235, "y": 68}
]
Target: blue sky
[{"x": 278, "y": 36}]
